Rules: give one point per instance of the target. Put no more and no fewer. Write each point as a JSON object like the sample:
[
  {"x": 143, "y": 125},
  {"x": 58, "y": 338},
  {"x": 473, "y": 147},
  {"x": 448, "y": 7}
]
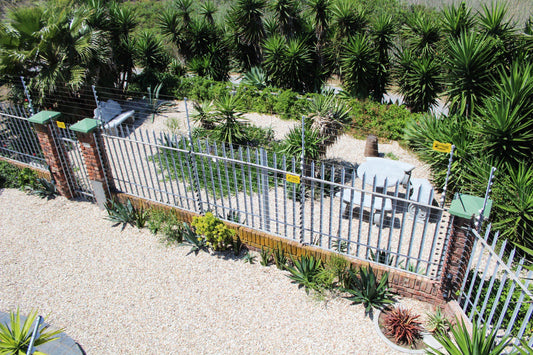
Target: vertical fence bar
[{"x": 265, "y": 190}]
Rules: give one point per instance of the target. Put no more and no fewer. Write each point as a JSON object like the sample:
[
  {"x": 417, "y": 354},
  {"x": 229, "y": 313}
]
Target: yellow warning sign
[
  {"x": 61, "y": 124},
  {"x": 442, "y": 147},
  {"x": 292, "y": 178}
]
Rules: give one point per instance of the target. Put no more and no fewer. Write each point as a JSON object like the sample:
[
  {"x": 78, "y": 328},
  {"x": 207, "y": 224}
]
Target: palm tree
[
  {"x": 152, "y": 57},
  {"x": 421, "y": 34},
  {"x": 457, "y": 20},
  {"x": 328, "y": 115},
  {"x": 288, "y": 63},
  {"x": 246, "y": 21},
  {"x": 207, "y": 10},
  {"x": 382, "y": 32},
  {"x": 230, "y": 124},
  {"x": 359, "y": 66},
  {"x": 419, "y": 79},
  {"x": 320, "y": 10},
  {"x": 469, "y": 64},
  {"x": 287, "y": 14}
]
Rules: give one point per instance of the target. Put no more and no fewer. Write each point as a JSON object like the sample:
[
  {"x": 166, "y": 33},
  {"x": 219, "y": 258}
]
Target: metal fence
[
  {"x": 18, "y": 140},
  {"x": 252, "y": 187},
  {"x": 498, "y": 291}
]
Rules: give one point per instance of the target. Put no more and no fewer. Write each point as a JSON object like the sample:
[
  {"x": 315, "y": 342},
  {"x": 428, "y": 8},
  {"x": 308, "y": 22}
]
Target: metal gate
[{"x": 72, "y": 161}]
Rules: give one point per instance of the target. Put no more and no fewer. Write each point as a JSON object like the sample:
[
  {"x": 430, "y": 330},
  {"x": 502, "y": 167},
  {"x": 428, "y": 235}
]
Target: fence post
[
  {"x": 52, "y": 155},
  {"x": 265, "y": 189},
  {"x": 96, "y": 161},
  {"x": 463, "y": 211}
]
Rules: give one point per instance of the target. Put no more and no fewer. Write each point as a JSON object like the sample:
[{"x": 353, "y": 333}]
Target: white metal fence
[
  {"x": 18, "y": 140},
  {"x": 497, "y": 290},
  {"x": 251, "y": 186}
]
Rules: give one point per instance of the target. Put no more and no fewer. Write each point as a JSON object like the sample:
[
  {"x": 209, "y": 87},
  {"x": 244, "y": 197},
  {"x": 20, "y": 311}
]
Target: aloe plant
[
  {"x": 365, "y": 289},
  {"x": 15, "y": 337},
  {"x": 196, "y": 241}
]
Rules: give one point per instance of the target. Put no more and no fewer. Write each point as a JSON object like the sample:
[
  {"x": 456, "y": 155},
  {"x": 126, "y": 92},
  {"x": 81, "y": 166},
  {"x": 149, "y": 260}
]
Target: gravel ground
[{"x": 122, "y": 292}]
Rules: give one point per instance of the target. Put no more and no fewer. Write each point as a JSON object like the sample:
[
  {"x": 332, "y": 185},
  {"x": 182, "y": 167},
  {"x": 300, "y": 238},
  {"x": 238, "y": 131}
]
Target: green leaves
[
  {"x": 481, "y": 342},
  {"x": 125, "y": 213},
  {"x": 305, "y": 271},
  {"x": 365, "y": 289},
  {"x": 15, "y": 336}
]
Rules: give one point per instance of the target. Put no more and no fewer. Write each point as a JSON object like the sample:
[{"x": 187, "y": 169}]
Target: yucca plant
[
  {"x": 305, "y": 271},
  {"x": 365, "y": 289},
  {"x": 457, "y": 19},
  {"x": 15, "y": 337},
  {"x": 421, "y": 34},
  {"x": 230, "y": 128},
  {"x": 402, "y": 325},
  {"x": 359, "y": 66},
  {"x": 480, "y": 342},
  {"x": 204, "y": 114},
  {"x": 292, "y": 143}
]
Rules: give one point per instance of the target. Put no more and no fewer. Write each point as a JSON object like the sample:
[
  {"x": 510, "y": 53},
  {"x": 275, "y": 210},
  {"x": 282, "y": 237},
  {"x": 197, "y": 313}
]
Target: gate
[{"x": 72, "y": 161}]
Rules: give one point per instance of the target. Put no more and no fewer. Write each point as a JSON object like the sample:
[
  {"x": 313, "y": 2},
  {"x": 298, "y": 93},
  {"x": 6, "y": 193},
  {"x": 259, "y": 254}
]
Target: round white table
[{"x": 381, "y": 170}]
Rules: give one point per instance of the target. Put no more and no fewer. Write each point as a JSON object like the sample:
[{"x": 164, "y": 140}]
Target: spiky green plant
[
  {"x": 365, "y": 289},
  {"x": 280, "y": 259},
  {"x": 292, "y": 143},
  {"x": 121, "y": 213},
  {"x": 249, "y": 258},
  {"x": 359, "y": 66},
  {"x": 15, "y": 337},
  {"x": 47, "y": 189},
  {"x": 255, "y": 77},
  {"x": 230, "y": 124},
  {"x": 266, "y": 256},
  {"x": 480, "y": 342},
  {"x": 197, "y": 242},
  {"x": 437, "y": 322},
  {"x": 204, "y": 114},
  {"x": 305, "y": 271}
]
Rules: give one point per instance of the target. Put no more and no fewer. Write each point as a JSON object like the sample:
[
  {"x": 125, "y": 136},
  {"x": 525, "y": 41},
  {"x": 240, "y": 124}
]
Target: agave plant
[
  {"x": 305, "y": 271},
  {"x": 15, "y": 337},
  {"x": 47, "y": 189},
  {"x": 437, "y": 322},
  {"x": 255, "y": 77},
  {"x": 191, "y": 238},
  {"x": 365, "y": 289},
  {"x": 125, "y": 213},
  {"x": 480, "y": 342}
]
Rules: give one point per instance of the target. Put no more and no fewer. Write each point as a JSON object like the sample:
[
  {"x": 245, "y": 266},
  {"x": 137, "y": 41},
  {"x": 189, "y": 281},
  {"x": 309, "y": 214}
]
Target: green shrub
[
  {"x": 385, "y": 121},
  {"x": 332, "y": 273},
  {"x": 216, "y": 234},
  {"x": 15, "y": 177}
]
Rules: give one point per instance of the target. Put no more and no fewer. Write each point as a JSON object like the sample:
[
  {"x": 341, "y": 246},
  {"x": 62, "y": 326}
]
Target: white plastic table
[{"x": 381, "y": 169}]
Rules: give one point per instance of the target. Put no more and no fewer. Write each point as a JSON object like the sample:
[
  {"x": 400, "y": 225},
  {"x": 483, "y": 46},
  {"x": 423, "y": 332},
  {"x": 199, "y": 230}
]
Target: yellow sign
[
  {"x": 442, "y": 147},
  {"x": 61, "y": 124},
  {"x": 292, "y": 178}
]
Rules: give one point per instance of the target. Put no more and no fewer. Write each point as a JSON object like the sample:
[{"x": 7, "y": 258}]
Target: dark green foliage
[
  {"x": 255, "y": 77},
  {"x": 481, "y": 287},
  {"x": 46, "y": 189},
  {"x": 125, "y": 213},
  {"x": 230, "y": 124},
  {"x": 402, "y": 325},
  {"x": 365, "y": 289},
  {"x": 196, "y": 242},
  {"x": 359, "y": 66},
  {"x": 292, "y": 143},
  {"x": 381, "y": 257},
  {"x": 419, "y": 79},
  {"x": 14, "y": 177},
  {"x": 332, "y": 273},
  {"x": 165, "y": 224},
  {"x": 279, "y": 258},
  {"x": 305, "y": 271},
  {"x": 249, "y": 258},
  {"x": 238, "y": 246},
  {"x": 266, "y": 256},
  {"x": 480, "y": 342}
]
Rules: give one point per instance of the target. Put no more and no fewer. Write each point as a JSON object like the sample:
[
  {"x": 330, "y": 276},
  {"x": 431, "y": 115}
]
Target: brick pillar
[
  {"x": 458, "y": 253},
  {"x": 94, "y": 154},
  {"x": 42, "y": 122}
]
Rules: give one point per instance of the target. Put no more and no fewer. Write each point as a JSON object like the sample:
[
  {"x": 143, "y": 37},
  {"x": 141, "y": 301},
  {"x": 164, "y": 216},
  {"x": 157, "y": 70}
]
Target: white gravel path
[{"x": 126, "y": 293}]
